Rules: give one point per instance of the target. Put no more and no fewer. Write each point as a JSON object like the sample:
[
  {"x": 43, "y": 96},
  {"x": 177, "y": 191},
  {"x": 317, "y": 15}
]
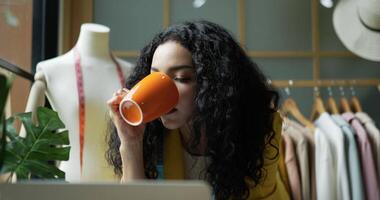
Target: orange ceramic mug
[{"x": 153, "y": 96}]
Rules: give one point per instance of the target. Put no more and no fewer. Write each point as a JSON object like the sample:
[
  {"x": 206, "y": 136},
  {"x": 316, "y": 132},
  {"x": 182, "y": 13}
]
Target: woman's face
[{"x": 174, "y": 60}]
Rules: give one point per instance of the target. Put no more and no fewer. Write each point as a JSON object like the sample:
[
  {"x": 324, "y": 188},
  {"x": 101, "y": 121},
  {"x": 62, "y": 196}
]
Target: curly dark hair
[{"x": 234, "y": 106}]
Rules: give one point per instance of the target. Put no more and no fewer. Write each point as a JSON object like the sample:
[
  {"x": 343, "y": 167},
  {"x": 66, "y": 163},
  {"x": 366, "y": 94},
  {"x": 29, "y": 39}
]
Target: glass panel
[
  {"x": 130, "y": 60},
  {"x": 274, "y": 25},
  {"x": 349, "y": 68},
  {"x": 286, "y": 68},
  {"x": 329, "y": 41},
  {"x": 16, "y": 24},
  {"x": 132, "y": 23},
  {"x": 222, "y": 12}
]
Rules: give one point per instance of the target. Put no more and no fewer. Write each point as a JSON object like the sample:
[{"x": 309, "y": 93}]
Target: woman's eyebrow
[{"x": 175, "y": 68}]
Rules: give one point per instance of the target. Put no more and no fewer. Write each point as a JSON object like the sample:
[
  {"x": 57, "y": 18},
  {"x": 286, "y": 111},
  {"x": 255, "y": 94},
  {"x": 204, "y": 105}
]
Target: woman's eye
[{"x": 182, "y": 79}]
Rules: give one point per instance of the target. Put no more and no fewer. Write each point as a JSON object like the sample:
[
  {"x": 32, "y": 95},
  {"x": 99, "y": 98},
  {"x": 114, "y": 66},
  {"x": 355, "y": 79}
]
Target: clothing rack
[{"x": 326, "y": 83}]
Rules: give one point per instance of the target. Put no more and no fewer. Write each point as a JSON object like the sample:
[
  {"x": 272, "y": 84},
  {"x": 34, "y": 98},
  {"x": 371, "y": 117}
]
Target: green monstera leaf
[{"x": 43, "y": 143}]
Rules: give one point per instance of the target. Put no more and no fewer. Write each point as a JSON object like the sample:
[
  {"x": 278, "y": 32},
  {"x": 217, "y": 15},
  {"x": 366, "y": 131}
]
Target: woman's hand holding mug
[{"x": 153, "y": 96}]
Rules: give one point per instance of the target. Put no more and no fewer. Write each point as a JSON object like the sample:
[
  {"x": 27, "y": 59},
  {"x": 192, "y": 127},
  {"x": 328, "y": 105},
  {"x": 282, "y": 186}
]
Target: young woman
[{"x": 225, "y": 128}]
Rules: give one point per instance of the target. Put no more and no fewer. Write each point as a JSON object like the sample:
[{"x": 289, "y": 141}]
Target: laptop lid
[{"x": 144, "y": 190}]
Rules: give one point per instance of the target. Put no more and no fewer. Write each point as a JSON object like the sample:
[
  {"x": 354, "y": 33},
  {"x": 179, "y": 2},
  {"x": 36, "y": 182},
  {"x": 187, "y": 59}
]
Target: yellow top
[
  {"x": 282, "y": 167},
  {"x": 271, "y": 187}
]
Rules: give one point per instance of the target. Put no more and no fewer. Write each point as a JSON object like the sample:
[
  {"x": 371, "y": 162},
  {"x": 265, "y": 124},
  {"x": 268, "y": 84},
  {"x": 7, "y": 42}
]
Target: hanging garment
[
  {"x": 308, "y": 134},
  {"x": 325, "y": 169},
  {"x": 374, "y": 136},
  {"x": 336, "y": 137},
  {"x": 302, "y": 153},
  {"x": 352, "y": 159},
  {"x": 367, "y": 162},
  {"x": 292, "y": 168}
]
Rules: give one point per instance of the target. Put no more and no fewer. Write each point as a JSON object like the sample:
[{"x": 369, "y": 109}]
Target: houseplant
[{"x": 31, "y": 156}]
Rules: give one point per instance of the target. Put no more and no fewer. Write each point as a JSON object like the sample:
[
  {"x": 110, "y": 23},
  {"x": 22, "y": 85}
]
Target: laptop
[{"x": 144, "y": 190}]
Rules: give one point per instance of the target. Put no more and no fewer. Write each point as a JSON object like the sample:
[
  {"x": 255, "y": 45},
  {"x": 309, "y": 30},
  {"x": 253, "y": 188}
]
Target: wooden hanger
[
  {"x": 356, "y": 104},
  {"x": 318, "y": 107},
  {"x": 331, "y": 103},
  {"x": 290, "y": 106},
  {"x": 345, "y": 106}
]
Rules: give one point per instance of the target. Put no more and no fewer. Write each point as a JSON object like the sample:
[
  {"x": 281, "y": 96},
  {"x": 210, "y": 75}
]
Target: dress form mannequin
[{"x": 57, "y": 79}]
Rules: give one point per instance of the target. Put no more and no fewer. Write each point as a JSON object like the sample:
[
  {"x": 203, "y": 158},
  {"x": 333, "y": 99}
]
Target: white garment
[
  {"x": 195, "y": 166},
  {"x": 374, "y": 135},
  {"x": 325, "y": 169},
  {"x": 337, "y": 139}
]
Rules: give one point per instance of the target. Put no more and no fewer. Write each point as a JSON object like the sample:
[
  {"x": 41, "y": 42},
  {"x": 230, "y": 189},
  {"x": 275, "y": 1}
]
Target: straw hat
[{"x": 357, "y": 24}]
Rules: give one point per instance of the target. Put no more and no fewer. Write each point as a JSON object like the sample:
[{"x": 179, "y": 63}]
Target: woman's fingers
[
  {"x": 122, "y": 92},
  {"x": 126, "y": 132},
  {"x": 114, "y": 102}
]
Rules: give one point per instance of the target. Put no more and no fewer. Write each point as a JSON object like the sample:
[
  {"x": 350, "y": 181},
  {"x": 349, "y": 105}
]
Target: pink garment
[
  {"x": 300, "y": 142},
  {"x": 366, "y": 157},
  {"x": 374, "y": 136},
  {"x": 292, "y": 168},
  {"x": 311, "y": 143}
]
